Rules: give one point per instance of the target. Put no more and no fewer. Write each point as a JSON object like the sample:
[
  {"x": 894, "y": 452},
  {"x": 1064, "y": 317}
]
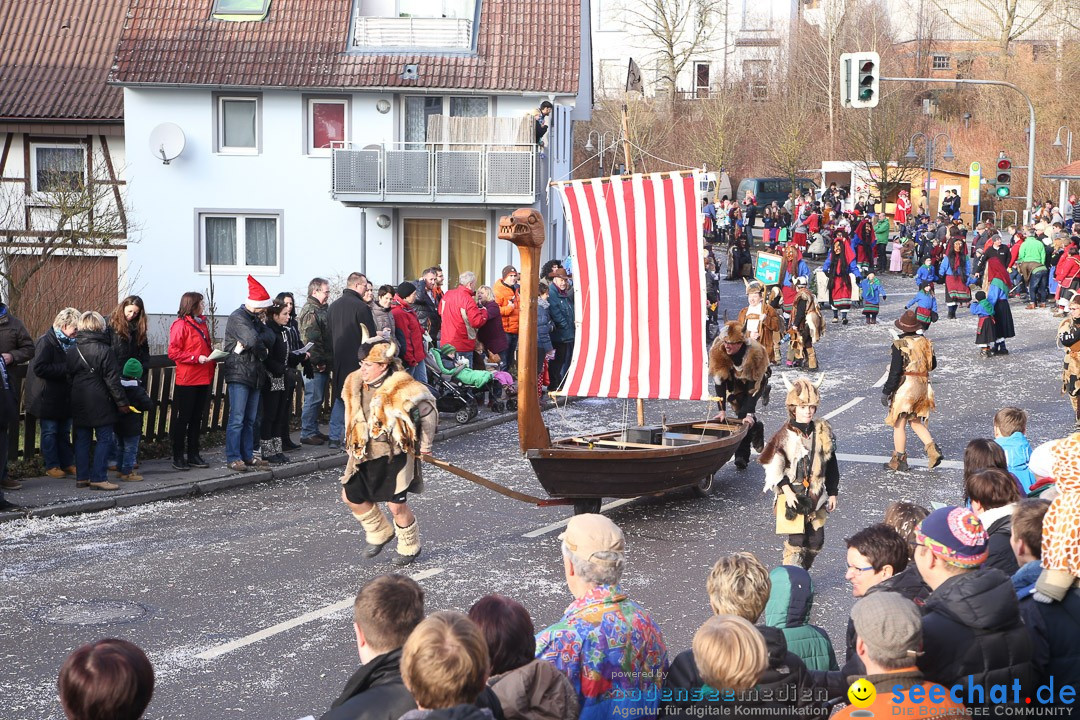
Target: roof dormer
[{"x": 434, "y": 26}]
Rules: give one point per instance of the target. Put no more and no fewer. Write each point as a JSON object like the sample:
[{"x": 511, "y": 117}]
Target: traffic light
[
  {"x": 1004, "y": 177},
  {"x": 860, "y": 75}
]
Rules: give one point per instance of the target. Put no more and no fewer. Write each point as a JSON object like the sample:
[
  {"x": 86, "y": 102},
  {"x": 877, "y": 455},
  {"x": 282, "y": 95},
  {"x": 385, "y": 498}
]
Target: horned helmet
[{"x": 803, "y": 392}]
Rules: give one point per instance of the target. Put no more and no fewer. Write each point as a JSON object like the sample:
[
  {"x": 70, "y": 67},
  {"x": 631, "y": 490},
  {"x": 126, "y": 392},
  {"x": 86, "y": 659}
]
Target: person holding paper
[{"x": 191, "y": 349}]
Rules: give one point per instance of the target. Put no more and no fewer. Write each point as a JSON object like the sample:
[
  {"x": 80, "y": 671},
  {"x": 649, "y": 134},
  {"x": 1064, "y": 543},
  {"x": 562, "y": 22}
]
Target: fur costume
[
  {"x": 1070, "y": 376},
  {"x": 814, "y": 321},
  {"x": 747, "y": 377},
  {"x": 768, "y": 327},
  {"x": 781, "y": 458},
  {"x": 396, "y": 421},
  {"x": 915, "y": 396}
]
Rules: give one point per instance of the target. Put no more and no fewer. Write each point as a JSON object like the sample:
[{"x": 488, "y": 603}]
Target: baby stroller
[{"x": 458, "y": 388}]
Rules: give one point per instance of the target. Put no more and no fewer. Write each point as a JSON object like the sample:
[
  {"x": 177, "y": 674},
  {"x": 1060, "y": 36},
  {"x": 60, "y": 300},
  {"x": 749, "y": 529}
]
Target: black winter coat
[
  {"x": 374, "y": 692},
  {"x": 246, "y": 368},
  {"x": 125, "y": 348},
  {"x": 1056, "y": 626},
  {"x": 48, "y": 384},
  {"x": 346, "y": 315},
  {"x": 972, "y": 626},
  {"x": 427, "y": 311},
  {"x": 96, "y": 393},
  {"x": 785, "y": 685},
  {"x": 14, "y": 338},
  {"x": 1001, "y": 554},
  {"x": 131, "y": 424}
]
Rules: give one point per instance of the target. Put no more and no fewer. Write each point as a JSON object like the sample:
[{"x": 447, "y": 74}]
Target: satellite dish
[{"x": 167, "y": 142}]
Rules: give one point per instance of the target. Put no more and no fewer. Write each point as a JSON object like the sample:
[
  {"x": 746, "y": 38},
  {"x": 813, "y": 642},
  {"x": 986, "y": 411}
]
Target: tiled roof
[
  {"x": 1072, "y": 170},
  {"x": 55, "y": 57},
  {"x": 522, "y": 45}
]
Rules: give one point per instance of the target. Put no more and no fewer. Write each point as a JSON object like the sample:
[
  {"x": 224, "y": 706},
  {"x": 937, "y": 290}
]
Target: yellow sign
[{"x": 974, "y": 183}]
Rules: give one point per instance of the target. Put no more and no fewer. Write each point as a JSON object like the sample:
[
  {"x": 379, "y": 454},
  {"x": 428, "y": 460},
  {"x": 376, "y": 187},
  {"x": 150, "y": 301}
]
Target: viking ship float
[{"x": 639, "y": 304}]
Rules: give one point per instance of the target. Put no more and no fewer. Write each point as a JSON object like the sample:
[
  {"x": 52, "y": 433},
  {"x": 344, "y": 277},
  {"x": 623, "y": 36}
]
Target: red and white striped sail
[{"x": 639, "y": 285}]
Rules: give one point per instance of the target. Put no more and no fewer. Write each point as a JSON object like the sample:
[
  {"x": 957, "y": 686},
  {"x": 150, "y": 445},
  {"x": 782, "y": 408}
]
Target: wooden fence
[{"x": 159, "y": 386}]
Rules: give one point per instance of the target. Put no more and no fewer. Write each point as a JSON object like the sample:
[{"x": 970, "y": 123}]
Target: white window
[
  {"x": 701, "y": 80},
  {"x": 940, "y": 62},
  {"x": 240, "y": 241},
  {"x": 756, "y": 74},
  {"x": 57, "y": 167},
  {"x": 238, "y": 125},
  {"x": 756, "y": 16},
  {"x": 248, "y": 9},
  {"x": 418, "y": 108},
  {"x": 327, "y": 124}
]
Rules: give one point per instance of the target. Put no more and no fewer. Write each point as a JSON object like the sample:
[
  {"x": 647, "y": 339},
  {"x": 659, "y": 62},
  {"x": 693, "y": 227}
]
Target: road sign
[{"x": 974, "y": 181}]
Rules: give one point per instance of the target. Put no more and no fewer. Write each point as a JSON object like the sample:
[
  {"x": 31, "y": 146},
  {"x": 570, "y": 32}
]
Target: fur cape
[
  {"x": 814, "y": 321},
  {"x": 785, "y": 449},
  {"x": 1070, "y": 376},
  {"x": 781, "y": 458},
  {"x": 388, "y": 417},
  {"x": 768, "y": 323},
  {"x": 915, "y": 396},
  {"x": 749, "y": 376}
]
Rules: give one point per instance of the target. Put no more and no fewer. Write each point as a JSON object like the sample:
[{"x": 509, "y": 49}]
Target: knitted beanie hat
[
  {"x": 955, "y": 535},
  {"x": 133, "y": 368}
]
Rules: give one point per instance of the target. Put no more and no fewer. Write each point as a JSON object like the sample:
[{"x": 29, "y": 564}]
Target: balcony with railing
[
  {"x": 452, "y": 173},
  {"x": 415, "y": 33}
]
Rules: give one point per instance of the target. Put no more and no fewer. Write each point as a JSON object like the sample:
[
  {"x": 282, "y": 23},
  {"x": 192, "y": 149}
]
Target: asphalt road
[{"x": 242, "y": 599}]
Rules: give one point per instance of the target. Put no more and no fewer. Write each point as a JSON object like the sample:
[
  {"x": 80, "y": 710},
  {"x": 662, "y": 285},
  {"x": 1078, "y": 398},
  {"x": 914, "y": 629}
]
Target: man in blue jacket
[{"x": 561, "y": 311}]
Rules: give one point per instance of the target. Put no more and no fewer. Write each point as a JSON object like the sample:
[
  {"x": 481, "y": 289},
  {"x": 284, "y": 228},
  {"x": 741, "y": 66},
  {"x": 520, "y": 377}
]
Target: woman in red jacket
[
  {"x": 190, "y": 346},
  {"x": 408, "y": 327}
]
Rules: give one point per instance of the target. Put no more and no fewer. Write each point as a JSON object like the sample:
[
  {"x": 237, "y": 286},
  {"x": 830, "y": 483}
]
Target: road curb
[{"x": 226, "y": 482}]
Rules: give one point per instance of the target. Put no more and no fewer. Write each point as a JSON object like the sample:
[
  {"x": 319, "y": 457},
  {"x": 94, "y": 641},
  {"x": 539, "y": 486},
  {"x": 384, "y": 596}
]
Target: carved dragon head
[{"x": 524, "y": 227}]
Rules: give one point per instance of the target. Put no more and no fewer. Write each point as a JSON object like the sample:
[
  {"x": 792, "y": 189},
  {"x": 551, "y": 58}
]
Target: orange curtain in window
[
  {"x": 468, "y": 250},
  {"x": 423, "y": 246}
]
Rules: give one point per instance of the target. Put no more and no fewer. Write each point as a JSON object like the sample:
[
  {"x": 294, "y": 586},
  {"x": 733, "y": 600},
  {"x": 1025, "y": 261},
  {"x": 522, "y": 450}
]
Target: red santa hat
[{"x": 257, "y": 295}]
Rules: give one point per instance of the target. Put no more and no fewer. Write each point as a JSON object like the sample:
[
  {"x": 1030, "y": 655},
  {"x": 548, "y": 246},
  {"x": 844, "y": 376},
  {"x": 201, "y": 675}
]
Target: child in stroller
[{"x": 458, "y": 388}]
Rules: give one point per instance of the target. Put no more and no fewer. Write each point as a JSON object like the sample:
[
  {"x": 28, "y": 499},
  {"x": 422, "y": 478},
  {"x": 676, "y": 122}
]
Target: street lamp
[
  {"x": 929, "y": 143},
  {"x": 601, "y": 140},
  {"x": 1064, "y": 192}
]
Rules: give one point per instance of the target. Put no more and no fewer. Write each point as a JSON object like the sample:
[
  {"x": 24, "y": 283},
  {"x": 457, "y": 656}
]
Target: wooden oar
[{"x": 491, "y": 485}]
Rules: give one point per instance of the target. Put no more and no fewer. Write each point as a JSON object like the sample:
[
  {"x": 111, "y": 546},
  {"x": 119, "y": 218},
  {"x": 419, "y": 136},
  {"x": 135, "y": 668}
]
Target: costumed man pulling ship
[
  {"x": 740, "y": 371},
  {"x": 390, "y": 418},
  {"x": 800, "y": 467}
]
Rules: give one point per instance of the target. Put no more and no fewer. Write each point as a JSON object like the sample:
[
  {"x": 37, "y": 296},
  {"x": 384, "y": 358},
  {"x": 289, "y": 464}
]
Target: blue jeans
[
  {"x": 240, "y": 432},
  {"x": 419, "y": 372},
  {"x": 56, "y": 443},
  {"x": 1037, "y": 292},
  {"x": 314, "y": 393},
  {"x": 337, "y": 420},
  {"x": 129, "y": 453},
  {"x": 96, "y": 470}
]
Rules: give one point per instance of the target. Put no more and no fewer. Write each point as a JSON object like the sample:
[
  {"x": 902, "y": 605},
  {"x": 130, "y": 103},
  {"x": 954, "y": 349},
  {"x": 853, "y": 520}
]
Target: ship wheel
[{"x": 704, "y": 488}]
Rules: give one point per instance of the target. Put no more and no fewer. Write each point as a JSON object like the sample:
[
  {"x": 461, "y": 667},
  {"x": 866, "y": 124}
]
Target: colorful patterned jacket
[{"x": 612, "y": 652}]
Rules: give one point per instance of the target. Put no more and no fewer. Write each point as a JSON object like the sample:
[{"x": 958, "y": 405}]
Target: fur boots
[
  {"x": 377, "y": 530},
  {"x": 811, "y": 359},
  {"x": 408, "y": 545},
  {"x": 897, "y": 462},
  {"x": 933, "y": 455},
  {"x": 793, "y": 555},
  {"x": 808, "y": 557}
]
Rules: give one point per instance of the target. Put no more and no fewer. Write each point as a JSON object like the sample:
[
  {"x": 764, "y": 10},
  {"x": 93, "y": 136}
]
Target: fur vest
[
  {"x": 768, "y": 323},
  {"x": 786, "y": 448},
  {"x": 915, "y": 396},
  {"x": 391, "y": 422},
  {"x": 746, "y": 377}
]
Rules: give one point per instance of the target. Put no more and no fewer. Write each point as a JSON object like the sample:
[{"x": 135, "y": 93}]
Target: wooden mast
[
  {"x": 525, "y": 228},
  {"x": 630, "y": 169}
]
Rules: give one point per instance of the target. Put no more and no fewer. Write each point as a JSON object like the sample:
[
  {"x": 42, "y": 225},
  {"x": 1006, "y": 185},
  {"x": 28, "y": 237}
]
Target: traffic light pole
[{"x": 1029, "y": 199}]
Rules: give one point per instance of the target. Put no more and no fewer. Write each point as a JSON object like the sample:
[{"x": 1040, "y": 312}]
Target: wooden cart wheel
[
  {"x": 590, "y": 505},
  {"x": 705, "y": 487}
]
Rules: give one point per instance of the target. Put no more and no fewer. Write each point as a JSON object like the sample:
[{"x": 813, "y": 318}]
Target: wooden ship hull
[{"x": 604, "y": 465}]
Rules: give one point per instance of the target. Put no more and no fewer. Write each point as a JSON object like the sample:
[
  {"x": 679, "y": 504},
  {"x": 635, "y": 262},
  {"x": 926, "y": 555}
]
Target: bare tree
[
  {"x": 717, "y": 134},
  {"x": 679, "y": 30},
  {"x": 878, "y": 138},
  {"x": 790, "y": 146},
  {"x": 58, "y": 242},
  {"x": 817, "y": 52},
  {"x": 997, "y": 21}
]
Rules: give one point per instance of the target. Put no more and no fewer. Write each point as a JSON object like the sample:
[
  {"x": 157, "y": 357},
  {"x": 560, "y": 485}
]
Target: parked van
[{"x": 766, "y": 190}]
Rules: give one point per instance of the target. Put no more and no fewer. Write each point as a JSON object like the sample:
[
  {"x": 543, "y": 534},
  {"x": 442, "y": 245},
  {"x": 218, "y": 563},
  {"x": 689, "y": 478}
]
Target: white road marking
[
  {"x": 878, "y": 459},
  {"x": 881, "y": 381},
  {"x": 228, "y": 647},
  {"x": 562, "y": 523},
  {"x": 842, "y": 408}
]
